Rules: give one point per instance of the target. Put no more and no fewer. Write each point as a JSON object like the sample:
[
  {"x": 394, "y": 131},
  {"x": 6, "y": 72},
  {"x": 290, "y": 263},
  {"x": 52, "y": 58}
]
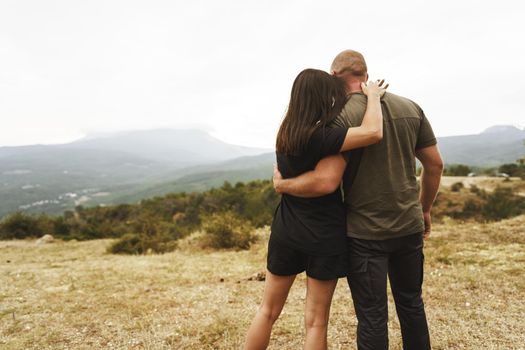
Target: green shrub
[
  {"x": 502, "y": 204},
  {"x": 228, "y": 230},
  {"x": 513, "y": 169},
  {"x": 474, "y": 189},
  {"x": 128, "y": 244},
  {"x": 457, "y": 187},
  {"x": 150, "y": 236},
  {"x": 510, "y": 169},
  {"x": 260, "y": 203},
  {"x": 61, "y": 228},
  {"x": 470, "y": 208},
  {"x": 457, "y": 170},
  {"x": 133, "y": 243},
  {"x": 19, "y": 225}
]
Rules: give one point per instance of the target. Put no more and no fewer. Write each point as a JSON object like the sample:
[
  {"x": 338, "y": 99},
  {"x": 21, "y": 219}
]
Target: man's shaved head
[{"x": 349, "y": 62}]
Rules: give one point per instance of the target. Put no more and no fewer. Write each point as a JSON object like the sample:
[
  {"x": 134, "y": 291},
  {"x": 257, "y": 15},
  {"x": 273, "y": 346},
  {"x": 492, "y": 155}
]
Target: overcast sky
[{"x": 70, "y": 68}]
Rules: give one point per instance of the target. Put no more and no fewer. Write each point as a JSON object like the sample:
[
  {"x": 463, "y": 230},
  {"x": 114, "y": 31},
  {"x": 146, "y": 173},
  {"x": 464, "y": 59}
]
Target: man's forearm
[
  {"x": 306, "y": 185},
  {"x": 324, "y": 179},
  {"x": 430, "y": 179}
]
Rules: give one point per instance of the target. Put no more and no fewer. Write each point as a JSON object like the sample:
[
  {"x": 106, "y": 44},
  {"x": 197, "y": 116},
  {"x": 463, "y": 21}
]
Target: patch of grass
[
  {"x": 8, "y": 312},
  {"x": 177, "y": 300},
  {"x": 444, "y": 260},
  {"x": 143, "y": 244},
  {"x": 219, "y": 330}
]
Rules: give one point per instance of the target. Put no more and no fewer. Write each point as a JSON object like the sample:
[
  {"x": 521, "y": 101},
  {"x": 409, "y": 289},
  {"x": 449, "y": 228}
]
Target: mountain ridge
[{"x": 122, "y": 169}]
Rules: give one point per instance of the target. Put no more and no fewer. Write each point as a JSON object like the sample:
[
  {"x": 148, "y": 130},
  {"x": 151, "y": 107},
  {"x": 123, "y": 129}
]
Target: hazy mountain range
[
  {"x": 494, "y": 146},
  {"x": 129, "y": 166}
]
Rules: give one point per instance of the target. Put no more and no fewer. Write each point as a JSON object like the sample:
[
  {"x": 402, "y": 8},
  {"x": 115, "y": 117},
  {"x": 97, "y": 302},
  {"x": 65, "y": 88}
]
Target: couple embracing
[{"x": 339, "y": 127}]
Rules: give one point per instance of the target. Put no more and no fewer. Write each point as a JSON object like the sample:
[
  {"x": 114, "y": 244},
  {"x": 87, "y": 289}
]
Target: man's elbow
[
  {"x": 377, "y": 135},
  {"x": 277, "y": 187},
  {"x": 435, "y": 167},
  {"x": 374, "y": 135},
  {"x": 328, "y": 185},
  {"x": 441, "y": 166}
]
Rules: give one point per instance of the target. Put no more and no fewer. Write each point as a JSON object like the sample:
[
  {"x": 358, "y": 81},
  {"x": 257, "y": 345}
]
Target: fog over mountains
[
  {"x": 175, "y": 147},
  {"x": 129, "y": 166}
]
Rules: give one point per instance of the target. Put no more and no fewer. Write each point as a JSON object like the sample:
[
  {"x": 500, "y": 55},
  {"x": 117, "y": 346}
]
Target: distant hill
[
  {"x": 180, "y": 147},
  {"x": 201, "y": 178},
  {"x": 495, "y": 146},
  {"x": 52, "y": 178},
  {"x": 127, "y": 167}
]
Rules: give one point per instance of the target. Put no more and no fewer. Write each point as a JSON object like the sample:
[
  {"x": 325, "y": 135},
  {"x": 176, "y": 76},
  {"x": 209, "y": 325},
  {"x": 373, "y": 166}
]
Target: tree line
[
  {"x": 228, "y": 214},
  {"x": 158, "y": 221}
]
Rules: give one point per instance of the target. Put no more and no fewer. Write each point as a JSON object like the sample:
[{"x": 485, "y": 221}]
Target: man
[{"x": 387, "y": 215}]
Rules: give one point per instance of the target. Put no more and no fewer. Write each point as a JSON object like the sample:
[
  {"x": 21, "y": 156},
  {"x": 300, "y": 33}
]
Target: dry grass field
[
  {"x": 73, "y": 295},
  {"x": 487, "y": 183}
]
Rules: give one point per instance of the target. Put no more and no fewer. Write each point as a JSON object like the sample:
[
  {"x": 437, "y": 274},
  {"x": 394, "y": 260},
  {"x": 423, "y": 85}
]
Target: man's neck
[{"x": 352, "y": 87}]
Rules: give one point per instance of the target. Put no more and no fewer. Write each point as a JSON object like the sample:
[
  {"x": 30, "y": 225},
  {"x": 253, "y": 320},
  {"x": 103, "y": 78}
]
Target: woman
[{"x": 308, "y": 234}]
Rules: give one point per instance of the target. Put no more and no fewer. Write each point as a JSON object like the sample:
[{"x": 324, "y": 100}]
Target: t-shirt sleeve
[
  {"x": 426, "y": 137},
  {"x": 343, "y": 119},
  {"x": 332, "y": 140},
  {"x": 350, "y": 116}
]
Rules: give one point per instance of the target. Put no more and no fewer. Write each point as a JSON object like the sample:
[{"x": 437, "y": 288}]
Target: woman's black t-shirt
[{"x": 315, "y": 226}]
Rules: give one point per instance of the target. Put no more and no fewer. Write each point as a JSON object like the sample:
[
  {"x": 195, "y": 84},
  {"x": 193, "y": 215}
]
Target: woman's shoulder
[{"x": 323, "y": 132}]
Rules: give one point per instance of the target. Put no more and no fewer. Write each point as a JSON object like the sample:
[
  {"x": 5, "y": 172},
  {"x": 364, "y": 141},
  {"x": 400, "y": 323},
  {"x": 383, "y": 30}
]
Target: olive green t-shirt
[{"x": 380, "y": 188}]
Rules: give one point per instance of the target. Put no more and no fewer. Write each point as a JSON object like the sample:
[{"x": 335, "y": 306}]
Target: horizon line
[{"x": 100, "y": 134}]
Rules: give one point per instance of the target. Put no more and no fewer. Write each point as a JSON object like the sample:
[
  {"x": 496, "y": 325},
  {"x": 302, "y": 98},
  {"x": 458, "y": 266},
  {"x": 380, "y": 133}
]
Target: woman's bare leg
[
  {"x": 276, "y": 290},
  {"x": 318, "y": 299}
]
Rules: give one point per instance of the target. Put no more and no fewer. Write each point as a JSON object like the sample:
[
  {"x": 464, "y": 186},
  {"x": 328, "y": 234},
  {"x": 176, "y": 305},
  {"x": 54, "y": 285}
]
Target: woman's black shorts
[{"x": 286, "y": 261}]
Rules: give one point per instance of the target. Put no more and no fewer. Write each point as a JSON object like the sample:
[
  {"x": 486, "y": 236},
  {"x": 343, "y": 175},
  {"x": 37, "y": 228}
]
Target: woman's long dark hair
[{"x": 317, "y": 98}]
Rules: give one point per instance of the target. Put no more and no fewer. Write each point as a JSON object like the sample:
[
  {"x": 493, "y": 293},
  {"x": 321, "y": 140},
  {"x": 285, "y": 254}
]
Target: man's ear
[{"x": 332, "y": 72}]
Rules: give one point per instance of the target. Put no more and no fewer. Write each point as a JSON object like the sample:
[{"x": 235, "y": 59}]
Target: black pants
[{"x": 370, "y": 263}]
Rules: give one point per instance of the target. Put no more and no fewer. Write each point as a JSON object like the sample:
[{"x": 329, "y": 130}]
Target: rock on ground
[{"x": 45, "y": 239}]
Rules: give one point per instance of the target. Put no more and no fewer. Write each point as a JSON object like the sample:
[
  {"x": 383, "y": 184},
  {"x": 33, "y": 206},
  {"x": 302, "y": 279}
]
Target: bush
[
  {"x": 228, "y": 230},
  {"x": 470, "y": 209},
  {"x": 510, "y": 169},
  {"x": 61, "y": 228},
  {"x": 513, "y": 169},
  {"x": 457, "y": 170},
  {"x": 150, "y": 235},
  {"x": 260, "y": 203},
  {"x": 474, "y": 189},
  {"x": 457, "y": 187},
  {"x": 502, "y": 204},
  {"x": 133, "y": 243},
  {"x": 20, "y": 225}
]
